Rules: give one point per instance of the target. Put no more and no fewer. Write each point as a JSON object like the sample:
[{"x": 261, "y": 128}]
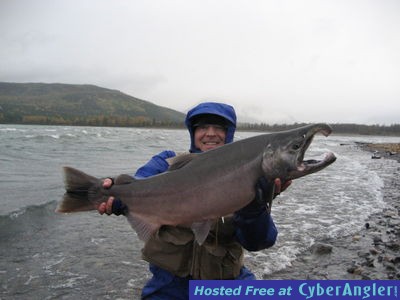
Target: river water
[{"x": 44, "y": 255}]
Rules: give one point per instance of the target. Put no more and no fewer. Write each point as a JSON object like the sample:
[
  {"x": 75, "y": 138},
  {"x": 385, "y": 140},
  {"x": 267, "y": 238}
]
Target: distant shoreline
[
  {"x": 386, "y": 150},
  {"x": 338, "y": 129}
]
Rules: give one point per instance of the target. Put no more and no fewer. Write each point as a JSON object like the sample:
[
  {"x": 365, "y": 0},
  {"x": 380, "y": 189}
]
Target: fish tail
[{"x": 83, "y": 192}]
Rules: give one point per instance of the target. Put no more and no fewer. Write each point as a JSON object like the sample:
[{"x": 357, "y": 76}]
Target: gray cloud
[{"x": 276, "y": 61}]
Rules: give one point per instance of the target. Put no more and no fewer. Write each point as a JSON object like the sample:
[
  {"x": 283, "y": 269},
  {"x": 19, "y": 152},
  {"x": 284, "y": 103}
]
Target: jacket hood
[{"x": 220, "y": 109}]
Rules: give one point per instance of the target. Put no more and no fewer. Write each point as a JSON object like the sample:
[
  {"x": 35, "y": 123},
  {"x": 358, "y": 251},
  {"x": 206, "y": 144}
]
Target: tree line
[
  {"x": 98, "y": 120},
  {"x": 345, "y": 128},
  {"x": 143, "y": 121}
]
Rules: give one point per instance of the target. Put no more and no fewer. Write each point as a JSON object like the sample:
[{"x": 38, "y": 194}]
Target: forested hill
[{"x": 69, "y": 104}]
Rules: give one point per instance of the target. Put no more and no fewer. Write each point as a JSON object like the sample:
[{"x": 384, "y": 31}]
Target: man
[{"x": 172, "y": 252}]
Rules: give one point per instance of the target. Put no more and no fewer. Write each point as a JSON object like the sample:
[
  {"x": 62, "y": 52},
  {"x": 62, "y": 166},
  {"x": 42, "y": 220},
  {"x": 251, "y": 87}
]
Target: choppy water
[{"x": 87, "y": 256}]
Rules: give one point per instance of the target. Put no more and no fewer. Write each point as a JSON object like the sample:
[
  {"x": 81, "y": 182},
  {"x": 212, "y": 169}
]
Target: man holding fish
[{"x": 174, "y": 252}]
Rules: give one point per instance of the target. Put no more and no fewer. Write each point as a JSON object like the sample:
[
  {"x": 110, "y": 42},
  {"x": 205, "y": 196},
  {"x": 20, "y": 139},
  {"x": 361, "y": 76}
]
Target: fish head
[{"x": 284, "y": 153}]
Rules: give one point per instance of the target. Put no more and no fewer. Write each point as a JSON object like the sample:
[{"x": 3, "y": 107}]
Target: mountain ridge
[{"x": 79, "y": 104}]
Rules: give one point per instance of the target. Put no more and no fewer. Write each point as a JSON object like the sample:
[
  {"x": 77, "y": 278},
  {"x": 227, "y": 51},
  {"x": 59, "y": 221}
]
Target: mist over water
[{"x": 44, "y": 255}]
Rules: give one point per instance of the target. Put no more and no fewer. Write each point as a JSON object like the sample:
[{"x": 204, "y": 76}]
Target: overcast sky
[{"x": 277, "y": 61}]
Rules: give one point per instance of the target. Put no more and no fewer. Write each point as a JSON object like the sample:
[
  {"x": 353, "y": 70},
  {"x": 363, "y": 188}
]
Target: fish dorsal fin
[
  {"x": 124, "y": 179},
  {"x": 143, "y": 228},
  {"x": 201, "y": 230},
  {"x": 179, "y": 161}
]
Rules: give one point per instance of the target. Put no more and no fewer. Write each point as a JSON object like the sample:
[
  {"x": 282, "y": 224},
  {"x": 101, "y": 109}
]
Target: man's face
[{"x": 209, "y": 136}]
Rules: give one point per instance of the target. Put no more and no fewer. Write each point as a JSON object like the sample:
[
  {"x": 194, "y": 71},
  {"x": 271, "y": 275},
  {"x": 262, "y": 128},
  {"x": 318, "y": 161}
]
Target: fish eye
[{"x": 296, "y": 146}]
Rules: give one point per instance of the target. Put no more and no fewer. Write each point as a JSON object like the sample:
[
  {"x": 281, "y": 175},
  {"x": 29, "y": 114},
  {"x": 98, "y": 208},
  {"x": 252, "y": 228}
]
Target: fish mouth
[
  {"x": 312, "y": 165},
  {"x": 305, "y": 167}
]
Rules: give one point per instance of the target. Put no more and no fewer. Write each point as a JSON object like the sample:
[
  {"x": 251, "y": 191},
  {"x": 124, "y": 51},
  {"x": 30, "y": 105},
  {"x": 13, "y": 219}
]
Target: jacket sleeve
[
  {"x": 255, "y": 232},
  {"x": 255, "y": 228},
  {"x": 157, "y": 164}
]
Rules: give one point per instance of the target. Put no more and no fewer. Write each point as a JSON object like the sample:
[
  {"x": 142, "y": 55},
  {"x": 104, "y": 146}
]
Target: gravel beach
[{"x": 372, "y": 253}]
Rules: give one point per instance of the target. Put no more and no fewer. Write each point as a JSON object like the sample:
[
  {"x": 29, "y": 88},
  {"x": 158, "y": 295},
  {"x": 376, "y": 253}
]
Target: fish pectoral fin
[
  {"x": 201, "y": 230},
  {"x": 179, "y": 161},
  {"x": 143, "y": 228}
]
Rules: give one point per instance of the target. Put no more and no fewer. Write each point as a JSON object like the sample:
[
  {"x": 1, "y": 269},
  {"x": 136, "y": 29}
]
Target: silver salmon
[{"x": 199, "y": 188}]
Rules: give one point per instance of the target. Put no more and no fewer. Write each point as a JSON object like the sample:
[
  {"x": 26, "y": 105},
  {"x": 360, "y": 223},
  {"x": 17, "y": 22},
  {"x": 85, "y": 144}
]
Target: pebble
[
  {"x": 363, "y": 254},
  {"x": 395, "y": 246},
  {"x": 373, "y": 251},
  {"x": 394, "y": 223},
  {"x": 396, "y": 260},
  {"x": 377, "y": 240},
  {"x": 356, "y": 270}
]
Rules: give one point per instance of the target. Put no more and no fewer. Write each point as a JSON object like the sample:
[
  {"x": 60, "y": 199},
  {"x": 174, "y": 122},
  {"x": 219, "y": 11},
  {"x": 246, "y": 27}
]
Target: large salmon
[{"x": 199, "y": 188}]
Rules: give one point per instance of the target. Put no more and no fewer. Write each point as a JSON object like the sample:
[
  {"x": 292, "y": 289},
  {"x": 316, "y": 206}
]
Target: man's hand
[
  {"x": 107, "y": 183},
  {"x": 112, "y": 206},
  {"x": 279, "y": 187},
  {"x": 106, "y": 207}
]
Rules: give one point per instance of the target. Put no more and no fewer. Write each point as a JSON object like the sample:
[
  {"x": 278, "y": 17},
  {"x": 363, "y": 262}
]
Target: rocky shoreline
[
  {"x": 385, "y": 150},
  {"x": 372, "y": 253}
]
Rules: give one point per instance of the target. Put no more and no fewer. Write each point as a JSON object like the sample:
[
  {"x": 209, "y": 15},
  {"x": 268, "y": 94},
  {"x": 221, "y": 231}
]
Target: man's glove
[
  {"x": 262, "y": 201},
  {"x": 119, "y": 208}
]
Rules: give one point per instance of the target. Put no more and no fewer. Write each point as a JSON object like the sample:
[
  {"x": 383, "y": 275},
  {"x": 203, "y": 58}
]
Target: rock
[
  {"x": 377, "y": 240},
  {"x": 355, "y": 269},
  {"x": 366, "y": 277},
  {"x": 390, "y": 213},
  {"x": 363, "y": 254},
  {"x": 390, "y": 267},
  {"x": 351, "y": 269},
  {"x": 382, "y": 222},
  {"x": 369, "y": 262},
  {"x": 394, "y": 223},
  {"x": 373, "y": 251},
  {"x": 396, "y": 260},
  {"x": 395, "y": 246},
  {"x": 321, "y": 249}
]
